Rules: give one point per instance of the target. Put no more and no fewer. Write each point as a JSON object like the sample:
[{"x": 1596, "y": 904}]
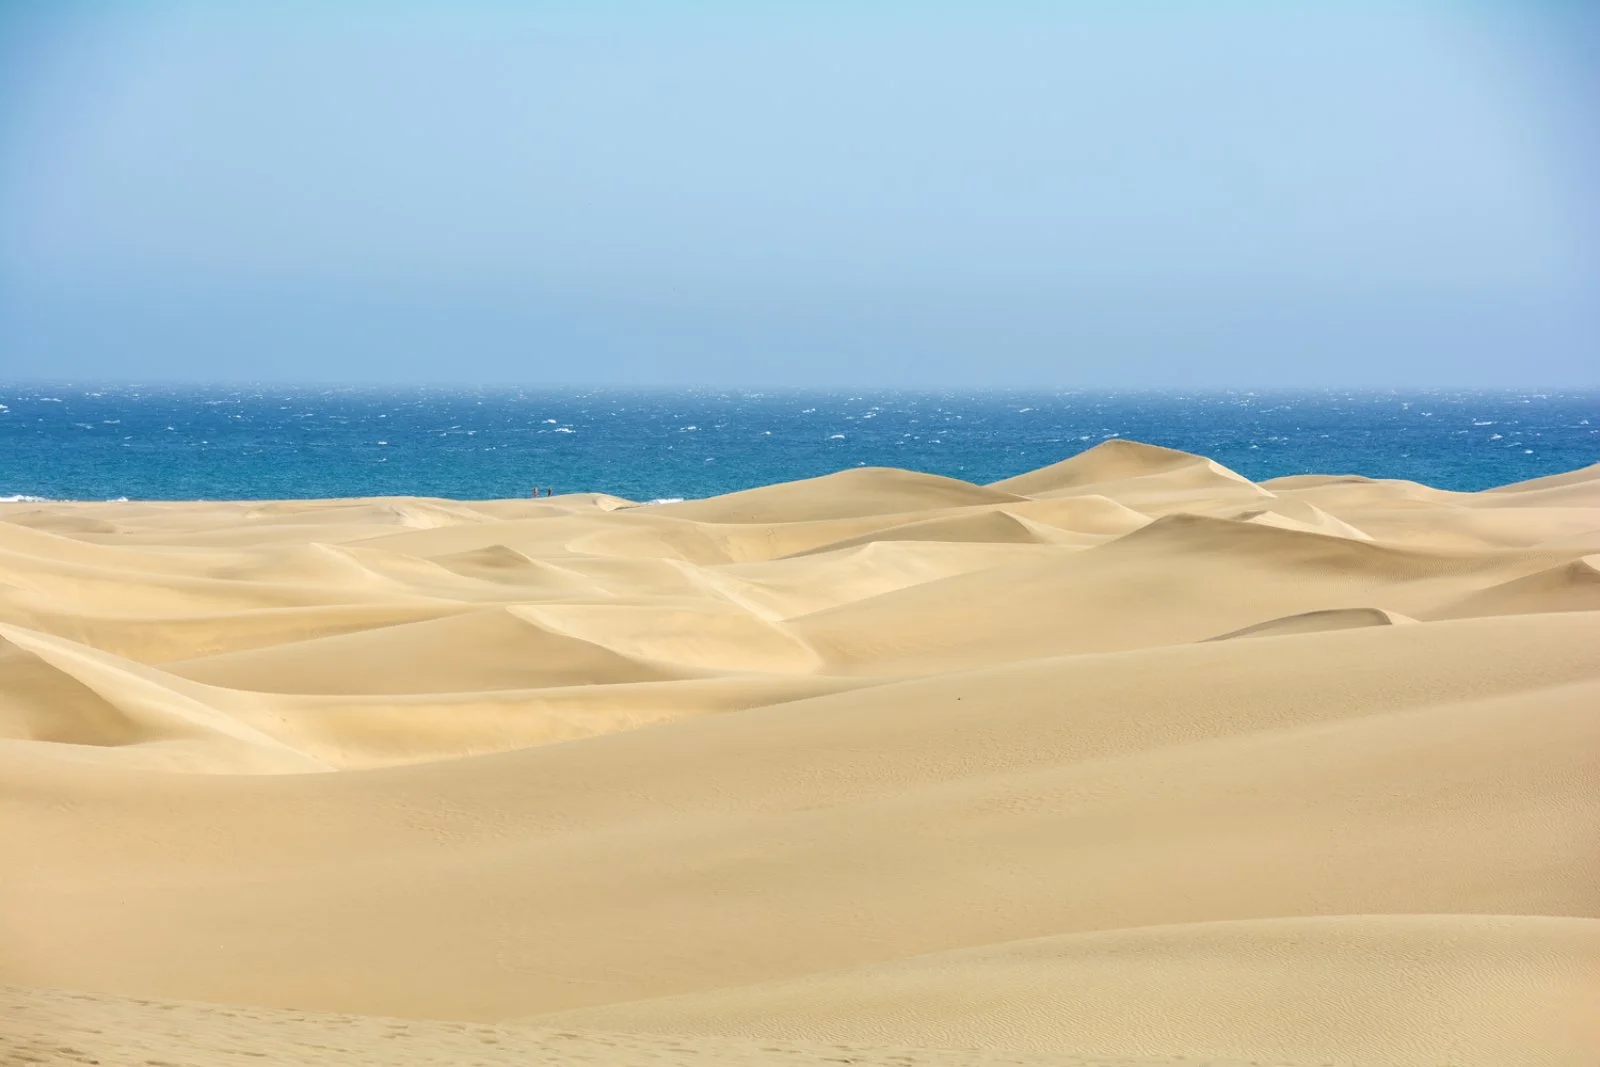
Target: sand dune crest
[
  {"x": 1573, "y": 586},
  {"x": 1319, "y": 621},
  {"x": 848, "y": 494},
  {"x": 1117, "y": 461}
]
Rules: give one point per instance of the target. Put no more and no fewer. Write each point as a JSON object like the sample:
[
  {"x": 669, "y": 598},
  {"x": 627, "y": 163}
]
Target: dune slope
[{"x": 1126, "y": 760}]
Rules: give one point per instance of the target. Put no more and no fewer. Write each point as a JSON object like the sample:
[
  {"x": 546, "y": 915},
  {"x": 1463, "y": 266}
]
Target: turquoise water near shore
[{"x": 240, "y": 442}]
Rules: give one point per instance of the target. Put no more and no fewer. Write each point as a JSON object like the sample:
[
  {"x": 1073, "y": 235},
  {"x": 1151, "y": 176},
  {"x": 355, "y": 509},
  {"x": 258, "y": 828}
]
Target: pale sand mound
[
  {"x": 81, "y": 702},
  {"x": 1571, "y": 586},
  {"x": 376, "y": 731},
  {"x": 1310, "y": 622},
  {"x": 703, "y": 634},
  {"x": 848, "y": 494},
  {"x": 807, "y": 582},
  {"x": 1447, "y": 988},
  {"x": 985, "y": 527},
  {"x": 163, "y": 639},
  {"x": 1118, "y": 461},
  {"x": 1588, "y": 477},
  {"x": 496, "y": 648},
  {"x": 1298, "y": 515},
  {"x": 1087, "y": 513},
  {"x": 849, "y": 769},
  {"x": 1407, "y": 513},
  {"x": 1180, "y": 578}
]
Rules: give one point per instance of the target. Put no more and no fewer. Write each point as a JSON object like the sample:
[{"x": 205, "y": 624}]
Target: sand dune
[
  {"x": 1180, "y": 578},
  {"x": 1315, "y": 621},
  {"x": 1577, "y": 480},
  {"x": 81, "y": 700},
  {"x": 1123, "y": 760},
  {"x": 985, "y": 527},
  {"x": 848, "y": 494},
  {"x": 1455, "y": 988},
  {"x": 1120, "y": 463},
  {"x": 1573, "y": 586},
  {"x": 495, "y": 648}
]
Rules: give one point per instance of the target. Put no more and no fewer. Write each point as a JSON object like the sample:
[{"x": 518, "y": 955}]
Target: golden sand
[{"x": 1128, "y": 759}]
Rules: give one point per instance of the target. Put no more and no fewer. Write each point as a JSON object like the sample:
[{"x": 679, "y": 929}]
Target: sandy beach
[{"x": 1124, "y": 760}]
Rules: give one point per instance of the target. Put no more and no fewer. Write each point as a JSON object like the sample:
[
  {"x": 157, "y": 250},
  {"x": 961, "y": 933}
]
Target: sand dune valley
[{"x": 1127, "y": 760}]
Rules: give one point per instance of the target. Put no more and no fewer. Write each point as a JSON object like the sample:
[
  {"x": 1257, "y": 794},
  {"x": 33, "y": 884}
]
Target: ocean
[{"x": 233, "y": 442}]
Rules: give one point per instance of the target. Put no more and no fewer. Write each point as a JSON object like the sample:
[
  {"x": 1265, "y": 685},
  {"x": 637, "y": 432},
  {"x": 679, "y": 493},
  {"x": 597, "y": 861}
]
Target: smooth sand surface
[{"x": 1125, "y": 760}]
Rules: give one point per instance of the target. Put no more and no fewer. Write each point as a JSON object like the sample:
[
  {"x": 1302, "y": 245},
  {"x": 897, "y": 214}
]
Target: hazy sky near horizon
[{"x": 1062, "y": 195}]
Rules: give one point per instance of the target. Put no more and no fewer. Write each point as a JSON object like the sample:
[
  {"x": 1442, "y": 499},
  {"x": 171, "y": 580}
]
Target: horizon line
[{"x": 759, "y": 388}]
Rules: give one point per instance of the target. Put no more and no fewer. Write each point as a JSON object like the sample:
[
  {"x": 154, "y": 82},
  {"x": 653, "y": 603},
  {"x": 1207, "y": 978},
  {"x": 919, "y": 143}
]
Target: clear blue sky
[{"x": 1052, "y": 194}]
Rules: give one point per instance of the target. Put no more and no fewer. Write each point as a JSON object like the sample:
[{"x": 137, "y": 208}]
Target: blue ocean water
[{"x": 147, "y": 442}]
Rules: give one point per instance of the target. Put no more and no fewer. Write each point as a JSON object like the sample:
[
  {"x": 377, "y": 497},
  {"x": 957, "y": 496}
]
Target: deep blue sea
[{"x": 104, "y": 442}]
